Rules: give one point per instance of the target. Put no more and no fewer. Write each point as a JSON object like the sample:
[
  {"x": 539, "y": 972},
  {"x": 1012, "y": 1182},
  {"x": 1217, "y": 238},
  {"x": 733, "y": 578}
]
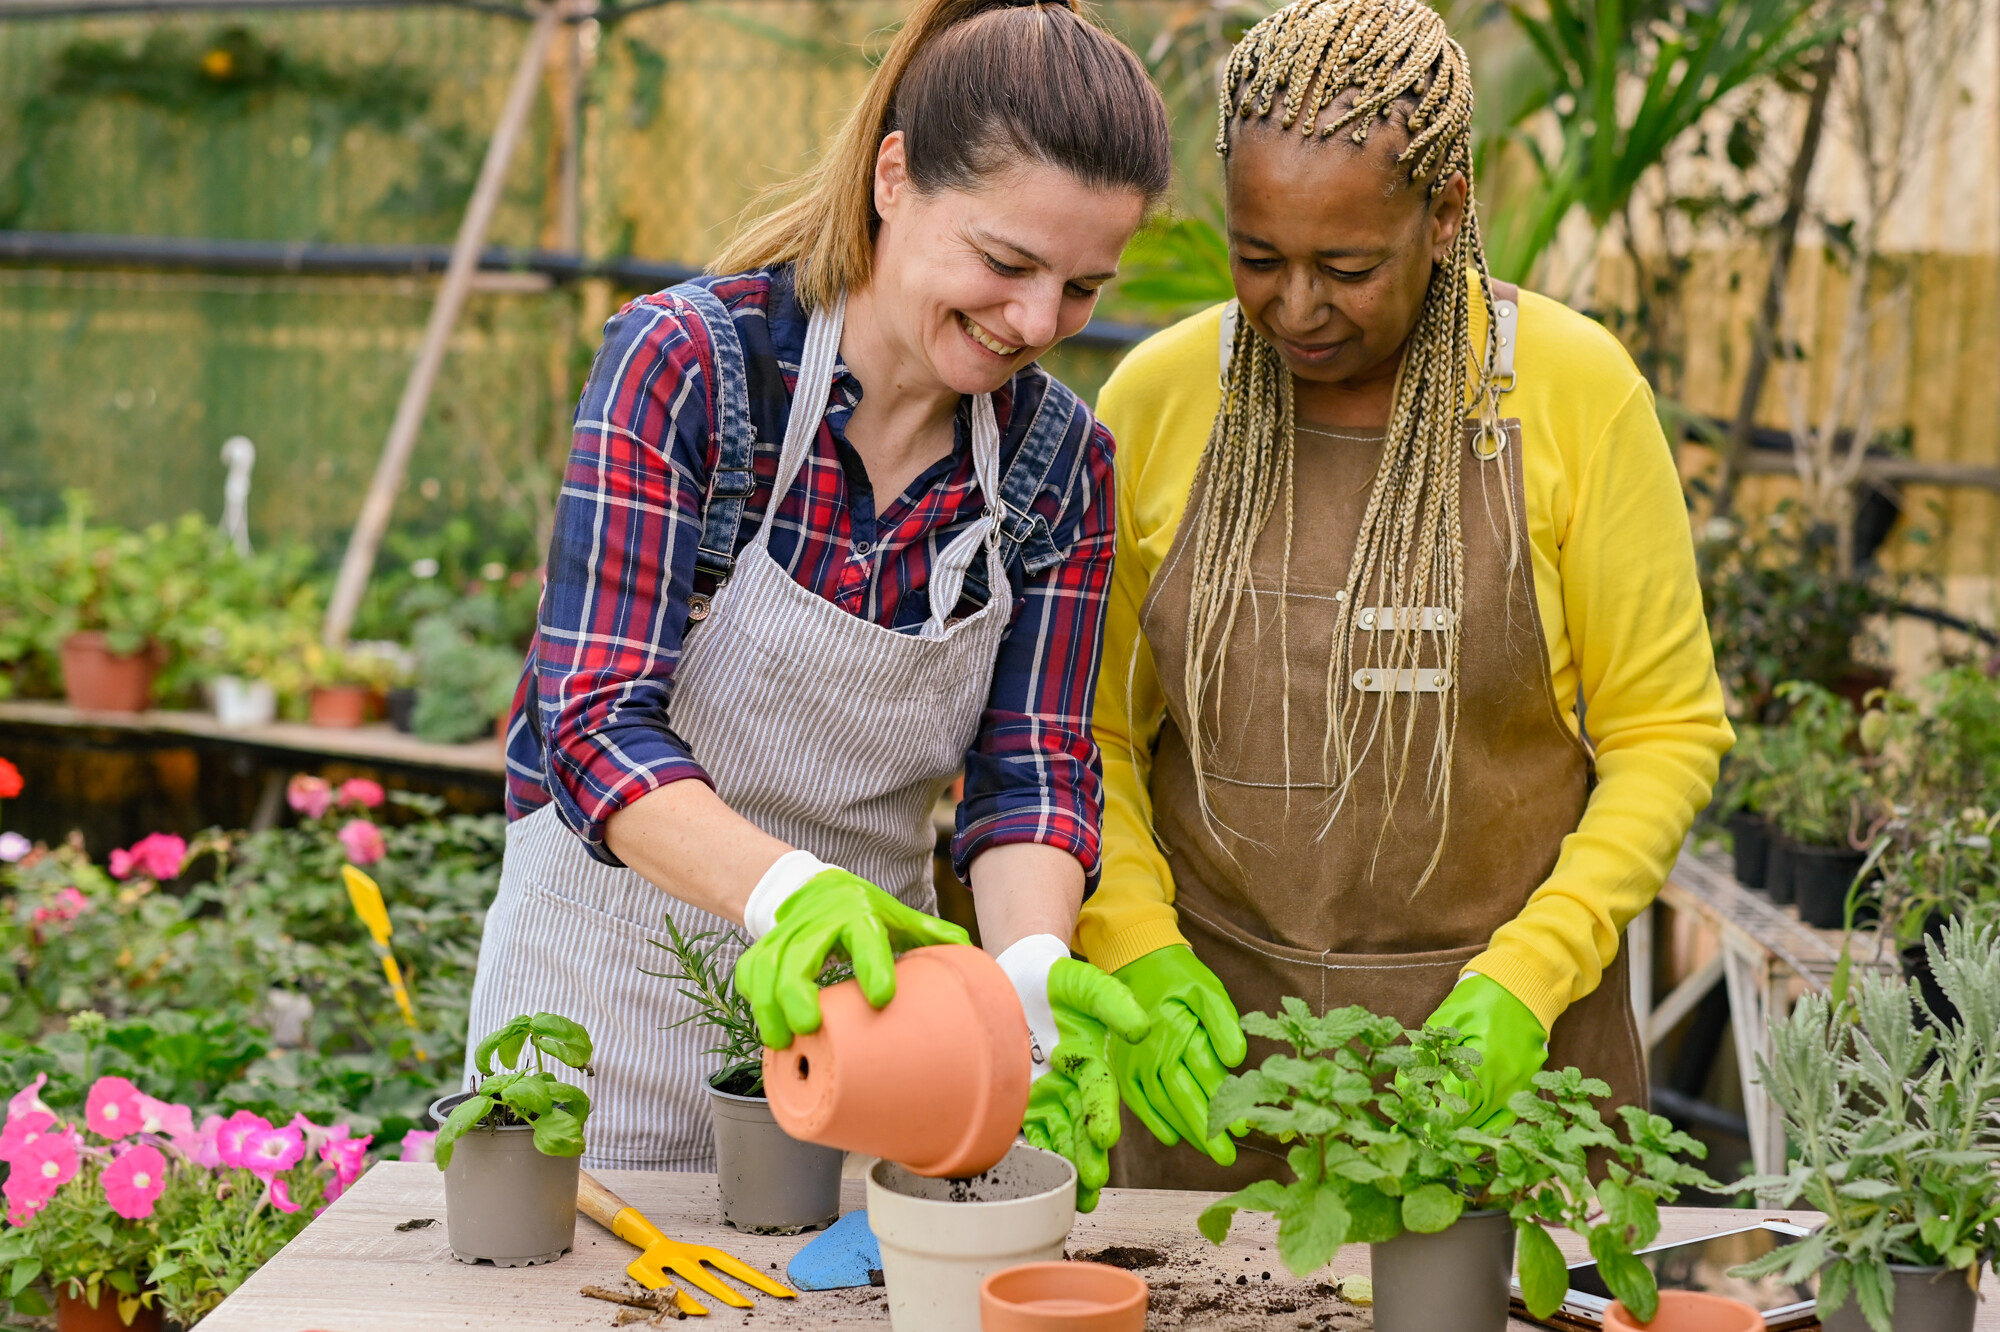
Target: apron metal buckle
[{"x": 697, "y": 608}]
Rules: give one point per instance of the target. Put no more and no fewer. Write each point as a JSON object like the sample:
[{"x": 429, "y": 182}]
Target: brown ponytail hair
[{"x": 976, "y": 86}]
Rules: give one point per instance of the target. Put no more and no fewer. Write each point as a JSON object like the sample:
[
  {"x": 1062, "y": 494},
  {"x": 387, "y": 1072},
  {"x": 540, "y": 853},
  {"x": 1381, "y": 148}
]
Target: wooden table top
[{"x": 353, "y": 1271}]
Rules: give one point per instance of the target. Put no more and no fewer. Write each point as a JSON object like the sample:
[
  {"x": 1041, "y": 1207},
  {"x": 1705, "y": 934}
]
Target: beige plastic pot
[
  {"x": 941, "y": 1238},
  {"x": 937, "y": 1079},
  {"x": 1456, "y": 1278},
  {"x": 505, "y": 1202},
  {"x": 1928, "y": 1299}
]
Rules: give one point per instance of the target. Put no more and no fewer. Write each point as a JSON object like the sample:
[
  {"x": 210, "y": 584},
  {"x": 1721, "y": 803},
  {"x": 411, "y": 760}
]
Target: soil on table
[{"x": 1193, "y": 1290}]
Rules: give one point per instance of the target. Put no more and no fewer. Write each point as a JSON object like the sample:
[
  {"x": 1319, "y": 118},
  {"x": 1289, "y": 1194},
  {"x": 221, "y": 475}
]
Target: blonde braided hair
[{"x": 1369, "y": 60}]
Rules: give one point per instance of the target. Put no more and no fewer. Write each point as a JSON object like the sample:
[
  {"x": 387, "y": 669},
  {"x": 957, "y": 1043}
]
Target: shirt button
[{"x": 862, "y": 548}]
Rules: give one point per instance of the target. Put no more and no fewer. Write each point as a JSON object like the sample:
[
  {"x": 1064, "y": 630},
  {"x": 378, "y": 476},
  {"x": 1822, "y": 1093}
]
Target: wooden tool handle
[{"x": 595, "y": 1201}]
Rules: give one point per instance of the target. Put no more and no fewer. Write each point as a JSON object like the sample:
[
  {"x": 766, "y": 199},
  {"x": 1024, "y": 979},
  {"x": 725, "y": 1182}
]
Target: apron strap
[
  {"x": 734, "y": 477},
  {"x": 809, "y": 398},
  {"x": 1023, "y": 532},
  {"x": 1507, "y": 328},
  {"x": 947, "y": 577}
]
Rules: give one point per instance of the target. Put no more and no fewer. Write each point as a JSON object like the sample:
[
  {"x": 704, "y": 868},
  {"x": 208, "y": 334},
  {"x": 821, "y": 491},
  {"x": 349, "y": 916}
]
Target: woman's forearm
[
  {"x": 1024, "y": 888},
  {"x": 683, "y": 839}
]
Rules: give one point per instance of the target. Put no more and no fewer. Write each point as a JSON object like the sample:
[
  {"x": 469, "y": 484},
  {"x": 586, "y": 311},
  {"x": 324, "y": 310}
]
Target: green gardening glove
[
  {"x": 1073, "y": 1106},
  {"x": 1510, "y": 1040},
  {"x": 1168, "y": 1078},
  {"x": 822, "y": 911}
]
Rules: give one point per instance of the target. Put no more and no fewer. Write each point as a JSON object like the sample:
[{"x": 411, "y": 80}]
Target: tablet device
[{"x": 1698, "y": 1264}]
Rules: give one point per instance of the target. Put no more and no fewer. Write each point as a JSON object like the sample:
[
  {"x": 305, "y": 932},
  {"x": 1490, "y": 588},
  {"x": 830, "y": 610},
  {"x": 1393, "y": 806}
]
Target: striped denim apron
[{"x": 824, "y": 729}]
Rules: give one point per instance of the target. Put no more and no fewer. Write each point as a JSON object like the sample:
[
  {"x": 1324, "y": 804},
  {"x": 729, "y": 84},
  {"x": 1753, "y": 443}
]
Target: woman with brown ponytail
[
  {"x": 1408, "y": 699},
  {"x": 826, "y": 535}
]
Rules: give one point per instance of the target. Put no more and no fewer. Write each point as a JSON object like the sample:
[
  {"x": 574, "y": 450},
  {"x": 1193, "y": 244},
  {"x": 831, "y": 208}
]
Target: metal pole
[{"x": 359, "y": 561}]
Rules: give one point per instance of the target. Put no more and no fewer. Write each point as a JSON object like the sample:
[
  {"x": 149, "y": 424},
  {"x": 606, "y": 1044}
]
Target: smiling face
[
  {"x": 1331, "y": 249},
  {"x": 972, "y": 285}
]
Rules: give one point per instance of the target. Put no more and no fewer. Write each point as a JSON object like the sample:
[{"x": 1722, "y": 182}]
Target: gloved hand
[
  {"x": 1169, "y": 1077},
  {"x": 1510, "y": 1040},
  {"x": 801, "y": 912},
  {"x": 1074, "y": 1011}
]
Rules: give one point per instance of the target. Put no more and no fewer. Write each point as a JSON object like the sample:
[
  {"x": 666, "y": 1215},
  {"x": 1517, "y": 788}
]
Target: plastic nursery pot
[
  {"x": 1916, "y": 962},
  {"x": 941, "y": 1238},
  {"x": 1752, "y": 838},
  {"x": 1688, "y": 1311},
  {"x": 1778, "y": 869},
  {"x": 74, "y": 1314},
  {"x": 239, "y": 702},
  {"x": 1928, "y": 1299},
  {"x": 771, "y": 1183},
  {"x": 1821, "y": 876},
  {"x": 96, "y": 679},
  {"x": 1063, "y": 1297},
  {"x": 401, "y": 708},
  {"x": 339, "y": 705},
  {"x": 938, "y": 1079},
  {"x": 1459, "y": 1278},
  {"x": 506, "y": 1203}
]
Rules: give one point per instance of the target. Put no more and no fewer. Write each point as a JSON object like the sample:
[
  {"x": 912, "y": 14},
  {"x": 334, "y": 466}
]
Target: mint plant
[
  {"x": 1379, "y": 1146},
  {"x": 1894, "y": 1128},
  {"x": 535, "y": 1096}
]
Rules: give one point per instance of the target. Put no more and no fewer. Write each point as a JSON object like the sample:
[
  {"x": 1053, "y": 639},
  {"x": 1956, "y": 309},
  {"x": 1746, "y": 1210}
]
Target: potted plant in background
[
  {"x": 1378, "y": 1157},
  {"x": 1894, "y": 1136},
  {"x": 509, "y": 1147},
  {"x": 464, "y": 682},
  {"x": 1740, "y": 796},
  {"x": 104, "y": 600},
  {"x": 1820, "y": 795},
  {"x": 770, "y": 1182}
]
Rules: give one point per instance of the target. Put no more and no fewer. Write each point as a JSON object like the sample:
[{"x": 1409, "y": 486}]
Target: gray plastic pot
[
  {"x": 506, "y": 1203},
  {"x": 771, "y": 1183},
  {"x": 1928, "y": 1299},
  {"x": 1458, "y": 1278}
]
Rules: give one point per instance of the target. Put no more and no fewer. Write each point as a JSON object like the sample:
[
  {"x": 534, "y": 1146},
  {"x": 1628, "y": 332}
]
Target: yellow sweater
[{"x": 1615, "y": 581}]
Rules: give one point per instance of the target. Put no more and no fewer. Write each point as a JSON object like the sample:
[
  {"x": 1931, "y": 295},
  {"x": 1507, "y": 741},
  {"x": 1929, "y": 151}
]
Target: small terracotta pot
[
  {"x": 1063, "y": 1297},
  {"x": 74, "y": 1314},
  {"x": 96, "y": 679},
  {"x": 936, "y": 1081},
  {"x": 340, "y": 705},
  {"x": 1688, "y": 1311}
]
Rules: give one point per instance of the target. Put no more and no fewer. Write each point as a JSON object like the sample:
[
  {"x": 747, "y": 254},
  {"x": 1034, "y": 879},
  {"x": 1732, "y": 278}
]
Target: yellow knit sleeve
[{"x": 1652, "y": 710}]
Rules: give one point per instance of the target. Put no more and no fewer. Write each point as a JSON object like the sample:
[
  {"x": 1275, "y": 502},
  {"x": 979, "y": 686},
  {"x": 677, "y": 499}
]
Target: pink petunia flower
[
  {"x": 348, "y": 1157},
  {"x": 113, "y": 1109},
  {"x": 157, "y": 854},
  {"x": 70, "y": 903},
  {"x": 20, "y": 1213},
  {"x": 176, "y": 1121},
  {"x": 134, "y": 1182},
  {"x": 202, "y": 1146},
  {"x": 310, "y": 796},
  {"x": 29, "y": 1097},
  {"x": 279, "y": 1195},
  {"x": 42, "y": 1167},
  {"x": 13, "y": 847},
  {"x": 232, "y": 1137},
  {"x": 270, "y": 1150},
  {"x": 363, "y": 841},
  {"x": 22, "y": 1131},
  {"x": 360, "y": 791},
  {"x": 419, "y": 1145}
]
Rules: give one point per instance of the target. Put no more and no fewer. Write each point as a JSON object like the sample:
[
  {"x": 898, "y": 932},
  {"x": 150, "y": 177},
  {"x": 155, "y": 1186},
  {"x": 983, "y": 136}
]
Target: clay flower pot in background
[
  {"x": 941, "y": 1238},
  {"x": 74, "y": 1314},
  {"x": 1063, "y": 1297},
  {"x": 771, "y": 1183},
  {"x": 96, "y": 679},
  {"x": 936, "y": 1080},
  {"x": 1457, "y": 1278},
  {"x": 1689, "y": 1311},
  {"x": 340, "y": 705}
]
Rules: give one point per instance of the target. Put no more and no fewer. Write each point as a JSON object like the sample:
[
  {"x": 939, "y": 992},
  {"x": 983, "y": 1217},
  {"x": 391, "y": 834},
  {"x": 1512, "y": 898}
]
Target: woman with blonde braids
[{"x": 1372, "y": 579}]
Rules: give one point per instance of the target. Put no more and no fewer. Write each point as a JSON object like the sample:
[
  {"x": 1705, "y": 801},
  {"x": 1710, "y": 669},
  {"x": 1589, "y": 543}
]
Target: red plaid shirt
[{"x": 621, "y": 568}]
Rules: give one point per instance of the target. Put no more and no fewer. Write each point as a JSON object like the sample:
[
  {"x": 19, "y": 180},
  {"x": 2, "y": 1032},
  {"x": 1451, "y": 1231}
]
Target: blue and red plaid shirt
[{"x": 622, "y": 564}]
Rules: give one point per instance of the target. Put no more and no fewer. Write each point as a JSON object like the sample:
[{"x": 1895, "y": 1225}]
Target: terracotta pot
[
  {"x": 340, "y": 705},
  {"x": 1688, "y": 1311},
  {"x": 937, "y": 1080},
  {"x": 1063, "y": 1297},
  {"x": 96, "y": 679},
  {"x": 74, "y": 1314}
]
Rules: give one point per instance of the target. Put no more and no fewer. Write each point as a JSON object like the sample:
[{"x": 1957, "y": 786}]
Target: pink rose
[
  {"x": 22, "y": 1131},
  {"x": 176, "y": 1121},
  {"x": 363, "y": 841},
  {"x": 310, "y": 796},
  {"x": 234, "y": 1134},
  {"x": 268, "y": 1151},
  {"x": 134, "y": 1182},
  {"x": 113, "y": 1109},
  {"x": 70, "y": 903},
  {"x": 157, "y": 854},
  {"x": 360, "y": 791},
  {"x": 419, "y": 1145}
]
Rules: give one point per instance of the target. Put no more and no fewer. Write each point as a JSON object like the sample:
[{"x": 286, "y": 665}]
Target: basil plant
[{"x": 526, "y": 1095}]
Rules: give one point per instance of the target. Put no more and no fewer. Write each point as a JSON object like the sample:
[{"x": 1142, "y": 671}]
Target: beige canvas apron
[
  {"x": 1273, "y": 908},
  {"x": 823, "y": 729}
]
